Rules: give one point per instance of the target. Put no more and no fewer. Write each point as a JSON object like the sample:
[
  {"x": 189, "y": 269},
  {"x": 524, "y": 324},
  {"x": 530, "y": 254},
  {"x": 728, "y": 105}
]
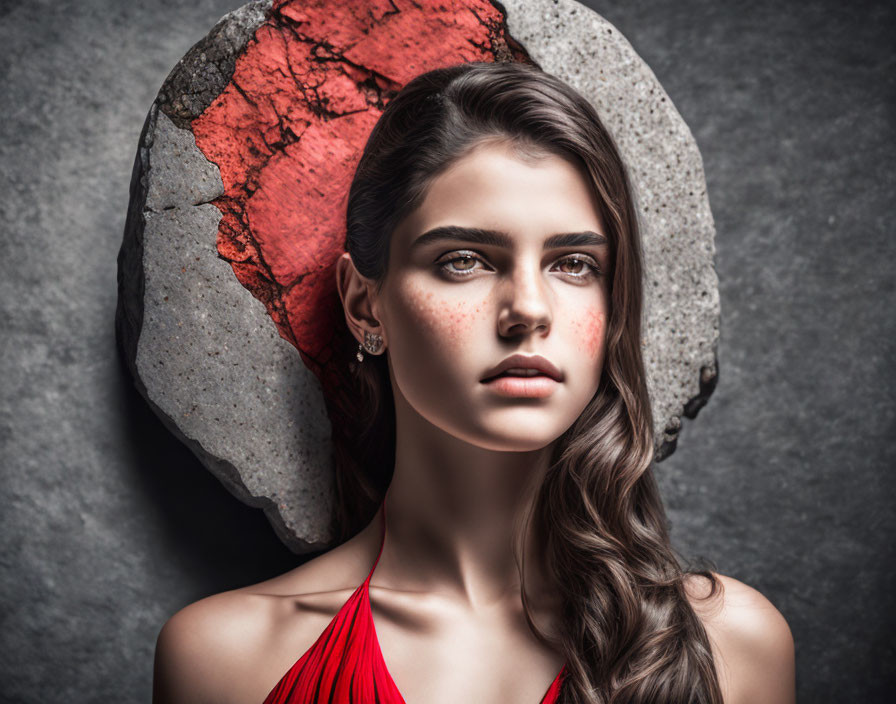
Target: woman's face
[{"x": 503, "y": 257}]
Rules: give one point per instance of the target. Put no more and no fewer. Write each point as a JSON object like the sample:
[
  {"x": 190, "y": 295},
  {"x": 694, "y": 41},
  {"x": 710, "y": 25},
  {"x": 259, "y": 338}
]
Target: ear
[{"x": 358, "y": 296}]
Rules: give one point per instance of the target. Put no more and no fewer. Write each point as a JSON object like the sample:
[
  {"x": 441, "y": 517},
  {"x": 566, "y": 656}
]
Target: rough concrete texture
[
  {"x": 200, "y": 76},
  {"x": 110, "y": 523},
  {"x": 208, "y": 358},
  {"x": 289, "y": 122}
]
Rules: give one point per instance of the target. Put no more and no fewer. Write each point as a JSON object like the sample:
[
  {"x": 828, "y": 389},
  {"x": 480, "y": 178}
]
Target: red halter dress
[{"x": 345, "y": 664}]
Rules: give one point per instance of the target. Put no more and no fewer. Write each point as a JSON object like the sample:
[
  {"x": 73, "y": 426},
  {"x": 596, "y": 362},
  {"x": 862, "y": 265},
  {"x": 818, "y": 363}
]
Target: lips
[{"x": 524, "y": 366}]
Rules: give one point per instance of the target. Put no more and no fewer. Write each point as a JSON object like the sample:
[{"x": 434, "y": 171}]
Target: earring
[{"x": 372, "y": 344}]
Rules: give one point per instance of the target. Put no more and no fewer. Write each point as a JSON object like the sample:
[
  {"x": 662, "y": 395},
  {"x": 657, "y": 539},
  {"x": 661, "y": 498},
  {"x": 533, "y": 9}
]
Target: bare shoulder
[
  {"x": 236, "y": 645},
  {"x": 202, "y": 645},
  {"x": 752, "y": 643}
]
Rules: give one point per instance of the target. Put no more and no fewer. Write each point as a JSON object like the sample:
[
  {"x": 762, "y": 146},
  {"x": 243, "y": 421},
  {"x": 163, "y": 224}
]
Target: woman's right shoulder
[
  {"x": 234, "y": 646},
  {"x": 202, "y": 646}
]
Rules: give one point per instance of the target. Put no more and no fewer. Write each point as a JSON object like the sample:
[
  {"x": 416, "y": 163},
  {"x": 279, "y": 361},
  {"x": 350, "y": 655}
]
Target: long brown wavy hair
[{"x": 627, "y": 630}]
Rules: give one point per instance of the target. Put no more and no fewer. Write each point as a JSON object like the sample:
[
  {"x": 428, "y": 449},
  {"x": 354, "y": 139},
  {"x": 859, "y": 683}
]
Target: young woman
[{"x": 501, "y": 431}]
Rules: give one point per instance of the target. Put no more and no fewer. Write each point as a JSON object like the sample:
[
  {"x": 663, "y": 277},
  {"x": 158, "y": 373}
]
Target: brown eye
[
  {"x": 460, "y": 265},
  {"x": 578, "y": 268}
]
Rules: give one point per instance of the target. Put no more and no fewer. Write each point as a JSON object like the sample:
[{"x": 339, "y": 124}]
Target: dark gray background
[{"x": 784, "y": 480}]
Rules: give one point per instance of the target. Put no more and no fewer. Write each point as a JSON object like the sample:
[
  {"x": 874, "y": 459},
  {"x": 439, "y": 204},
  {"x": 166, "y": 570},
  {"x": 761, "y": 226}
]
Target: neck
[{"x": 456, "y": 513}]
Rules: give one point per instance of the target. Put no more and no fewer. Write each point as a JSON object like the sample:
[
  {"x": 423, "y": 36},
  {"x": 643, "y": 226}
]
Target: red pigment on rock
[{"x": 289, "y": 128}]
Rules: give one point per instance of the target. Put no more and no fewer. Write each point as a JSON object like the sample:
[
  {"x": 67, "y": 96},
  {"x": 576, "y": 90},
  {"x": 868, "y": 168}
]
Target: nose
[{"x": 525, "y": 305}]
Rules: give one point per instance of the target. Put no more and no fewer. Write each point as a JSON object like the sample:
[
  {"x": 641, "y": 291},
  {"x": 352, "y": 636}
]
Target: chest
[
  {"x": 445, "y": 655},
  {"x": 403, "y": 650}
]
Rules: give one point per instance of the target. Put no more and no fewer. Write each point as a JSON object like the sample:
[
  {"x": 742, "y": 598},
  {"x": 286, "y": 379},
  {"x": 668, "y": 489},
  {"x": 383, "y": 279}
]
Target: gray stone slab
[{"x": 208, "y": 358}]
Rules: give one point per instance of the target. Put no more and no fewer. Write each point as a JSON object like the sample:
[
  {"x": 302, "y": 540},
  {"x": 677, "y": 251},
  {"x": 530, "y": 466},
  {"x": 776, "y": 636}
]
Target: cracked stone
[{"x": 228, "y": 313}]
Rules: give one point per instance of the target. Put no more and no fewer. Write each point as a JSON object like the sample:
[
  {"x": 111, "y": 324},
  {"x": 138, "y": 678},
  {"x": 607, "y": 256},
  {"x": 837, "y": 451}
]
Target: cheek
[
  {"x": 441, "y": 320},
  {"x": 590, "y": 329}
]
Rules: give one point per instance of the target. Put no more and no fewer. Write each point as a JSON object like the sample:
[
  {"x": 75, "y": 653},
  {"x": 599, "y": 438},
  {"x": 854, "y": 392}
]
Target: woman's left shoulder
[{"x": 752, "y": 644}]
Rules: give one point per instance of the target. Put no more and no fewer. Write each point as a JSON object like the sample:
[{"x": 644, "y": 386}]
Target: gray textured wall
[{"x": 784, "y": 480}]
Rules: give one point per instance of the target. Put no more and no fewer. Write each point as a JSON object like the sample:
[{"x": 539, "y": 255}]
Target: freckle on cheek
[
  {"x": 433, "y": 314},
  {"x": 591, "y": 327},
  {"x": 455, "y": 322}
]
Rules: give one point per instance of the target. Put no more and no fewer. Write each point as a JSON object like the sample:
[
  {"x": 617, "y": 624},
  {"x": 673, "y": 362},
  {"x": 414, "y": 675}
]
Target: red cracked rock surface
[{"x": 289, "y": 128}]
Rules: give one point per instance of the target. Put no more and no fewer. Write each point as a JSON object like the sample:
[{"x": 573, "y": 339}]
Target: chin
[
  {"x": 527, "y": 444},
  {"x": 517, "y": 439}
]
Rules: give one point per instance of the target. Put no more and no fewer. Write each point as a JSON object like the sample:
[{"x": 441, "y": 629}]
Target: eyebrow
[{"x": 497, "y": 238}]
